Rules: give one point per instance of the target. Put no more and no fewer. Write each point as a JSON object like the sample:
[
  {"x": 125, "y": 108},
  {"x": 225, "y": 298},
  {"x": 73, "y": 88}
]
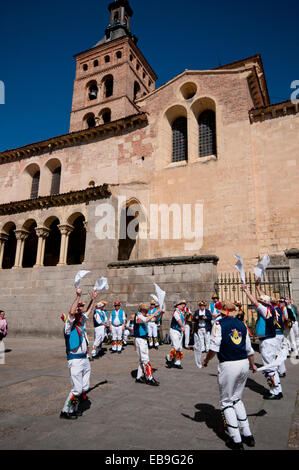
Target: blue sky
[{"x": 38, "y": 40}]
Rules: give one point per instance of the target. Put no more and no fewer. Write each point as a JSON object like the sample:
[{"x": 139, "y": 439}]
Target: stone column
[
  {"x": 42, "y": 233},
  {"x": 21, "y": 236},
  {"x": 293, "y": 257},
  {"x": 3, "y": 240},
  {"x": 65, "y": 231}
]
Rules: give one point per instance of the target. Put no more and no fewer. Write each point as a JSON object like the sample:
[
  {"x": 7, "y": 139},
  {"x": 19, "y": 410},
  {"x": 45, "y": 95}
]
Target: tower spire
[{"x": 120, "y": 22}]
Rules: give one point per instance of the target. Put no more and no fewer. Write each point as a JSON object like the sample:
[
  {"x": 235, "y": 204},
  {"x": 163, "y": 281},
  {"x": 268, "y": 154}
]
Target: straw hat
[
  {"x": 225, "y": 307},
  {"x": 100, "y": 304},
  {"x": 180, "y": 302},
  {"x": 144, "y": 307},
  {"x": 265, "y": 299},
  {"x": 202, "y": 303},
  {"x": 116, "y": 304}
]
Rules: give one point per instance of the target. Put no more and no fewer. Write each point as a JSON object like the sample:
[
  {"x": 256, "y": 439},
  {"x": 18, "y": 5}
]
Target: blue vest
[
  {"x": 265, "y": 328},
  {"x": 278, "y": 321},
  {"x": 140, "y": 329},
  {"x": 120, "y": 316},
  {"x": 174, "y": 324},
  {"x": 74, "y": 341},
  {"x": 102, "y": 315},
  {"x": 233, "y": 340}
]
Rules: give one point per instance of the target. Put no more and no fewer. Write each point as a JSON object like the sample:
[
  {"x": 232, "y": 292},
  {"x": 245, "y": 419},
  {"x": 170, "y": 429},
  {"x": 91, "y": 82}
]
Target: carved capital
[
  {"x": 66, "y": 229},
  {"x": 21, "y": 234},
  {"x": 42, "y": 232}
]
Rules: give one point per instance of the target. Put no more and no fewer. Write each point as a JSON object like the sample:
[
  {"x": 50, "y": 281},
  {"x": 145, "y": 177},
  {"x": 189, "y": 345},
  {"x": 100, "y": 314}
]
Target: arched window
[
  {"x": 179, "y": 140},
  {"x": 52, "y": 246},
  {"x": 55, "y": 183},
  {"x": 207, "y": 133},
  {"x": 107, "y": 59},
  {"x": 90, "y": 120},
  {"x": 30, "y": 245},
  {"x": 96, "y": 63},
  {"x": 93, "y": 91},
  {"x": 77, "y": 241},
  {"x": 10, "y": 246},
  {"x": 108, "y": 86},
  {"x": 136, "y": 90},
  {"x": 35, "y": 185},
  {"x": 106, "y": 116}
]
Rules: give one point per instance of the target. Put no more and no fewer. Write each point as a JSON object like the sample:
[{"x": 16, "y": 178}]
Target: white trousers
[
  {"x": 187, "y": 335},
  {"x": 143, "y": 356},
  {"x": 99, "y": 336},
  {"x": 232, "y": 377},
  {"x": 295, "y": 328},
  {"x": 117, "y": 332},
  {"x": 204, "y": 337},
  {"x": 176, "y": 338},
  {"x": 80, "y": 379},
  {"x": 152, "y": 329},
  {"x": 126, "y": 334},
  {"x": 291, "y": 336},
  {"x": 269, "y": 349},
  {"x": 282, "y": 343}
]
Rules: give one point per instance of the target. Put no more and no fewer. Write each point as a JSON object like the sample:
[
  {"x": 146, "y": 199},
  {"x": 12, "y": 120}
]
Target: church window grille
[
  {"x": 56, "y": 178},
  {"x": 179, "y": 140},
  {"x": 207, "y": 133},
  {"x": 35, "y": 185}
]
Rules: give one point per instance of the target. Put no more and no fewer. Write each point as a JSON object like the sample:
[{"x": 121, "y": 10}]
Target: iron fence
[{"x": 276, "y": 283}]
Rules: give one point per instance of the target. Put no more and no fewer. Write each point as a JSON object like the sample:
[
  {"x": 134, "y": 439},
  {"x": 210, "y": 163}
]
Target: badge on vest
[{"x": 236, "y": 336}]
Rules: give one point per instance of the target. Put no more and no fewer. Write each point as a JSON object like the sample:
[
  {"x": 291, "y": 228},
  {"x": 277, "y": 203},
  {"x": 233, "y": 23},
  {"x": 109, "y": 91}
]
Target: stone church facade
[{"x": 207, "y": 139}]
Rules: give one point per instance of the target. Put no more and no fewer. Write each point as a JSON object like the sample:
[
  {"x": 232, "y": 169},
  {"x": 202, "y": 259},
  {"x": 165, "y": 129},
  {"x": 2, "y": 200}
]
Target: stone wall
[{"x": 34, "y": 299}]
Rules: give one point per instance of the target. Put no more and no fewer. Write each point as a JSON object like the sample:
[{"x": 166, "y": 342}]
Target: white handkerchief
[
  {"x": 101, "y": 284},
  {"x": 160, "y": 296},
  {"x": 79, "y": 276},
  {"x": 262, "y": 266},
  {"x": 239, "y": 266}
]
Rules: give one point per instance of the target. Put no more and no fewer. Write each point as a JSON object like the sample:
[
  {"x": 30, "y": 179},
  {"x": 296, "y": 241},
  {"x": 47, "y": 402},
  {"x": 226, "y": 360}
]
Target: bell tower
[{"x": 112, "y": 75}]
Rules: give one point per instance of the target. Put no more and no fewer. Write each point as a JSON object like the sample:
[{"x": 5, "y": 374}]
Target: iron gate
[{"x": 276, "y": 283}]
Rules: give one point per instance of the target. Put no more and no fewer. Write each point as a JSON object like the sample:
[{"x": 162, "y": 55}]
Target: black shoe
[
  {"x": 119, "y": 352},
  {"x": 248, "y": 440},
  {"x": 176, "y": 366},
  {"x": 168, "y": 362},
  {"x": 235, "y": 445},
  {"x": 153, "y": 382},
  {"x": 113, "y": 352},
  {"x": 270, "y": 396},
  {"x": 65, "y": 415},
  {"x": 78, "y": 413},
  {"x": 140, "y": 381},
  {"x": 282, "y": 375}
]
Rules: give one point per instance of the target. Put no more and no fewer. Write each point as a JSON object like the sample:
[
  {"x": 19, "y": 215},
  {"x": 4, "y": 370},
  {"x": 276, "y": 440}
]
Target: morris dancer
[
  {"x": 177, "y": 329},
  {"x": 145, "y": 370},
  {"x": 203, "y": 325},
  {"x": 117, "y": 324},
  {"x": 231, "y": 342},
  {"x": 268, "y": 346},
  {"x": 100, "y": 322},
  {"x": 76, "y": 350},
  {"x": 213, "y": 310},
  {"x": 152, "y": 327}
]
